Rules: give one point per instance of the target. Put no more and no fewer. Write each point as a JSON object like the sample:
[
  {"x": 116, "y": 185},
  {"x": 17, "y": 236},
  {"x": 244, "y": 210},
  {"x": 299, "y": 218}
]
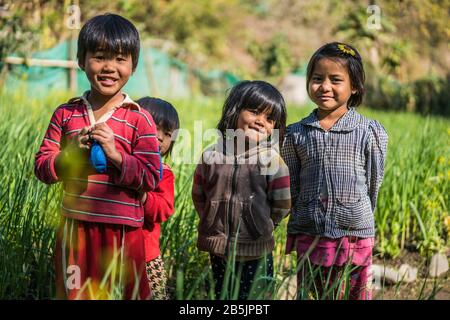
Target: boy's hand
[
  {"x": 74, "y": 154},
  {"x": 104, "y": 135},
  {"x": 84, "y": 141}
]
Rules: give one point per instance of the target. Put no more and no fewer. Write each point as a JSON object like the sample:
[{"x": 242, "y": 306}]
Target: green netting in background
[{"x": 157, "y": 74}]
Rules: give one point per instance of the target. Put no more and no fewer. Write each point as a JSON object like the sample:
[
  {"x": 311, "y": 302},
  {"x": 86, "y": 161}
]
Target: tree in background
[
  {"x": 15, "y": 35},
  {"x": 258, "y": 38},
  {"x": 275, "y": 59}
]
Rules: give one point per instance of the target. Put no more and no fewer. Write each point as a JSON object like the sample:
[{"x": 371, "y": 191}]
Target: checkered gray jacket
[{"x": 350, "y": 159}]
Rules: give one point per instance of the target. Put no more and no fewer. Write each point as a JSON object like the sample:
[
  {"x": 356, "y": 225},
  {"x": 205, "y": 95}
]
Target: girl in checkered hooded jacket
[{"x": 336, "y": 161}]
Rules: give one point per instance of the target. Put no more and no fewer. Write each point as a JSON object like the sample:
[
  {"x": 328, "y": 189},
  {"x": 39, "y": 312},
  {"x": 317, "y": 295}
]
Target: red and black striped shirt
[{"x": 113, "y": 196}]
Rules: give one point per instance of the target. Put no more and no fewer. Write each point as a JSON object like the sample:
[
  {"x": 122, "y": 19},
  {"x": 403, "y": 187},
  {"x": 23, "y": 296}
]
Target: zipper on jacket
[{"x": 230, "y": 205}]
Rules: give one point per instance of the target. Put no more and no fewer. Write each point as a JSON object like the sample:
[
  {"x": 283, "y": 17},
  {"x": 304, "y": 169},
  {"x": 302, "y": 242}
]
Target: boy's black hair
[
  {"x": 164, "y": 114},
  {"x": 110, "y": 33},
  {"x": 253, "y": 95},
  {"x": 351, "y": 59}
]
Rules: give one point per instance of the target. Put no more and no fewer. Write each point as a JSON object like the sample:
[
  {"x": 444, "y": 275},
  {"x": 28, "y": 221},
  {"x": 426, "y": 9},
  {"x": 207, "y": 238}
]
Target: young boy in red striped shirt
[{"x": 100, "y": 245}]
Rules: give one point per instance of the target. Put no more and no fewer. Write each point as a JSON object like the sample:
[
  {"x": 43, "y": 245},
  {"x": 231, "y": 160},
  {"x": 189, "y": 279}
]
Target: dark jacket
[{"x": 239, "y": 199}]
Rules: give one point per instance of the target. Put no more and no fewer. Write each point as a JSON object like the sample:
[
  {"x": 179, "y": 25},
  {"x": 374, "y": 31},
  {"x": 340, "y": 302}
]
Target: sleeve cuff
[{"x": 51, "y": 168}]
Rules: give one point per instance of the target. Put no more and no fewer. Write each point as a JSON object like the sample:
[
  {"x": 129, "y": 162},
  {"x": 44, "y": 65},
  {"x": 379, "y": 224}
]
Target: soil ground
[{"x": 423, "y": 288}]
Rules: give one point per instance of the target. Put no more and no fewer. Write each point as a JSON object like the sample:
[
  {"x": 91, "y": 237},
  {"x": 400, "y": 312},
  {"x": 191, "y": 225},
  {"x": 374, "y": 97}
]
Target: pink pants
[
  {"x": 333, "y": 283},
  {"x": 332, "y": 268}
]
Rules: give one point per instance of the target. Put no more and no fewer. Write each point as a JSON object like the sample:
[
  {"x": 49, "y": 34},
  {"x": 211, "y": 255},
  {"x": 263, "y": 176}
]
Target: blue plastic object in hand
[{"x": 98, "y": 158}]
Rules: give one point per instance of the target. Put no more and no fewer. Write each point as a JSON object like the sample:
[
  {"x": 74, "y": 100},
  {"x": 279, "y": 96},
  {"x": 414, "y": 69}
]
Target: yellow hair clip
[{"x": 346, "y": 49}]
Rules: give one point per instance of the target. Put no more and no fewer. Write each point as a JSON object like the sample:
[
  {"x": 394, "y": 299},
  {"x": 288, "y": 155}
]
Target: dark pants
[{"x": 248, "y": 279}]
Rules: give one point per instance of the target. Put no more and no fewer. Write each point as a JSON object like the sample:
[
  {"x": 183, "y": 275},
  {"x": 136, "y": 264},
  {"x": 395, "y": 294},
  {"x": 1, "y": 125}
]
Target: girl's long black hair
[{"x": 253, "y": 95}]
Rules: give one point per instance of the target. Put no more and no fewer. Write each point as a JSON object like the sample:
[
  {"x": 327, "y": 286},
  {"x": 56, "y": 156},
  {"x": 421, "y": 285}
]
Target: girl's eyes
[
  {"x": 165, "y": 133},
  {"x": 268, "y": 117},
  {"x": 319, "y": 79}
]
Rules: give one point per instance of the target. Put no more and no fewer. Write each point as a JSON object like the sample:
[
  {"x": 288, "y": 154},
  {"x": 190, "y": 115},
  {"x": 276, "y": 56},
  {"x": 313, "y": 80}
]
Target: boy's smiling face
[{"x": 107, "y": 73}]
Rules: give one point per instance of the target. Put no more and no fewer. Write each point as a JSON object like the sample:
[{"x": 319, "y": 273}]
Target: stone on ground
[
  {"x": 383, "y": 274},
  {"x": 438, "y": 265}
]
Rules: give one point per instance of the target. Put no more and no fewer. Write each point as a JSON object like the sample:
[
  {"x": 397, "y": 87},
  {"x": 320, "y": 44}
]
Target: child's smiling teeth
[{"x": 105, "y": 80}]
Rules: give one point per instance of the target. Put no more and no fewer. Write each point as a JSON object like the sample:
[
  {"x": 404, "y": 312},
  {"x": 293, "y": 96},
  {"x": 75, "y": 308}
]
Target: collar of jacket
[
  {"x": 348, "y": 122},
  {"x": 264, "y": 153},
  {"x": 256, "y": 150}
]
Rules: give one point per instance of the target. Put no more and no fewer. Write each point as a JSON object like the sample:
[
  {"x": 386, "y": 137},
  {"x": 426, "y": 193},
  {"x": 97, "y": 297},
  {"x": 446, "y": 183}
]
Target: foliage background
[{"x": 255, "y": 38}]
